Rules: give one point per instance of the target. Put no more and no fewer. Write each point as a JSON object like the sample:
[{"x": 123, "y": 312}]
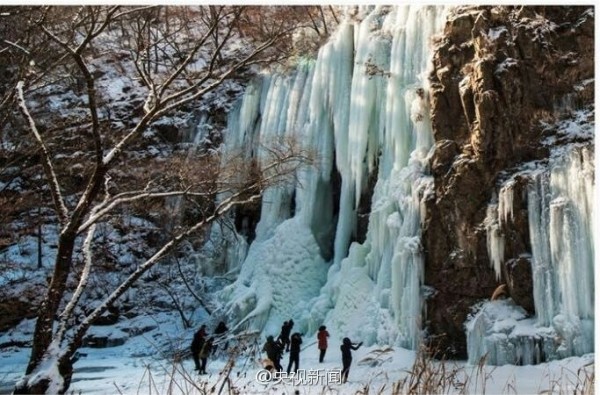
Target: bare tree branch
[
  {"x": 190, "y": 289},
  {"x": 135, "y": 10},
  {"x": 166, "y": 64},
  {"x": 90, "y": 82},
  {"x": 59, "y": 204},
  {"x": 181, "y": 95},
  {"x": 128, "y": 197},
  {"x": 323, "y": 20},
  {"x": 334, "y": 15},
  {"x": 165, "y": 85},
  {"x": 222, "y": 208},
  {"x": 16, "y": 46}
]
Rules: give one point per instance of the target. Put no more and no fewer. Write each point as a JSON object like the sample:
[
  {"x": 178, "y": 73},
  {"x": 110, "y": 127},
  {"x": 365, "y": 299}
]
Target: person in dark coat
[
  {"x": 205, "y": 352},
  {"x": 284, "y": 336},
  {"x": 197, "y": 344},
  {"x": 347, "y": 347},
  {"x": 220, "y": 331},
  {"x": 322, "y": 341},
  {"x": 274, "y": 350},
  {"x": 295, "y": 343}
]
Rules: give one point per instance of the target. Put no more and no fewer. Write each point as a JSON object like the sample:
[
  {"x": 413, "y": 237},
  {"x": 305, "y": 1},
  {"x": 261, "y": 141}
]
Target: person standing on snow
[
  {"x": 284, "y": 336},
  {"x": 205, "y": 353},
  {"x": 219, "y": 333},
  {"x": 322, "y": 338},
  {"x": 274, "y": 350},
  {"x": 347, "y": 347},
  {"x": 197, "y": 344},
  {"x": 295, "y": 343}
]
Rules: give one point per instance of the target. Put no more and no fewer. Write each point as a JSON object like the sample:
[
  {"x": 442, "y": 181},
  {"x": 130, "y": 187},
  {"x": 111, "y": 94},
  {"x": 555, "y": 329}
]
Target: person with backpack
[
  {"x": 347, "y": 347},
  {"x": 322, "y": 336}
]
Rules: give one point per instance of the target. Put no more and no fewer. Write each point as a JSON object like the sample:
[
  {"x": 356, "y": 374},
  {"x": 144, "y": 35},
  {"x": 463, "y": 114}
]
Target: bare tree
[{"x": 175, "y": 71}]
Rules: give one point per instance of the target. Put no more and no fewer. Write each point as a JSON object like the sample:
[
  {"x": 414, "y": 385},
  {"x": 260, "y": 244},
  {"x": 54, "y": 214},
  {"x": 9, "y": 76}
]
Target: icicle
[
  {"x": 497, "y": 215},
  {"x": 559, "y": 203},
  {"x": 568, "y": 249},
  {"x": 505, "y": 202},
  {"x": 326, "y": 130},
  {"x": 394, "y": 262},
  {"x": 495, "y": 239},
  {"x": 366, "y": 100},
  {"x": 543, "y": 272}
]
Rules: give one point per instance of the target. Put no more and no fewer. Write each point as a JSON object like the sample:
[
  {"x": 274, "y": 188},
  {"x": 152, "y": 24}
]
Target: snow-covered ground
[{"x": 140, "y": 367}]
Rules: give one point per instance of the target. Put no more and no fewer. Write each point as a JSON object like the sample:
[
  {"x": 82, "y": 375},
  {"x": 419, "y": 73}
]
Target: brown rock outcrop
[{"x": 498, "y": 72}]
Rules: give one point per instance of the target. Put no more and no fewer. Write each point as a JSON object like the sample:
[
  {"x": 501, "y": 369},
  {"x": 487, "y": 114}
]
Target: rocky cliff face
[{"x": 502, "y": 74}]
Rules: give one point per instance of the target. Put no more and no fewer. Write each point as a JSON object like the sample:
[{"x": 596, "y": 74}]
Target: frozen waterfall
[
  {"x": 361, "y": 108},
  {"x": 559, "y": 205}
]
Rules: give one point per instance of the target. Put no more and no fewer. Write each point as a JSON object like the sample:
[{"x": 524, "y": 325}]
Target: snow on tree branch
[
  {"x": 128, "y": 197},
  {"x": 83, "y": 280},
  {"x": 219, "y": 211},
  {"x": 59, "y": 204}
]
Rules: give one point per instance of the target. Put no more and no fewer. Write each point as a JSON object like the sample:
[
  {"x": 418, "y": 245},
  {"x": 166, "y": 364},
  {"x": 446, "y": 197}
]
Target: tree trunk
[
  {"x": 43, "y": 328},
  {"x": 48, "y": 383},
  {"x": 39, "y": 387}
]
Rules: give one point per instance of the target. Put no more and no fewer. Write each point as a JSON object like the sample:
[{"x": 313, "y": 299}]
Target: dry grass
[{"x": 426, "y": 376}]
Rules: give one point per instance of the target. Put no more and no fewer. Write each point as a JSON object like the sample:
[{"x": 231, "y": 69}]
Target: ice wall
[
  {"x": 560, "y": 212},
  {"x": 560, "y": 204},
  {"x": 375, "y": 292},
  {"x": 362, "y": 109}
]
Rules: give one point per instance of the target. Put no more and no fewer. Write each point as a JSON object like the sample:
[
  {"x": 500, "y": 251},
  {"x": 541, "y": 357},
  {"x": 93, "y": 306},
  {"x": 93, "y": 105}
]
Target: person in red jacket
[{"x": 322, "y": 337}]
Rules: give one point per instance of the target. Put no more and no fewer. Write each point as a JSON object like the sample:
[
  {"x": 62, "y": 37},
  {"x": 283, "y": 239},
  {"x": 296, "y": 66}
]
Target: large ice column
[
  {"x": 283, "y": 268},
  {"x": 225, "y": 248},
  {"x": 367, "y": 102},
  {"x": 330, "y": 106},
  {"x": 386, "y": 272},
  {"x": 362, "y": 109},
  {"x": 293, "y": 111},
  {"x": 272, "y": 118},
  {"x": 499, "y": 214},
  {"x": 560, "y": 208},
  {"x": 322, "y": 129},
  {"x": 410, "y": 55},
  {"x": 276, "y": 200},
  {"x": 543, "y": 270},
  {"x": 310, "y": 108},
  {"x": 407, "y": 266},
  {"x": 242, "y": 121},
  {"x": 395, "y": 260}
]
